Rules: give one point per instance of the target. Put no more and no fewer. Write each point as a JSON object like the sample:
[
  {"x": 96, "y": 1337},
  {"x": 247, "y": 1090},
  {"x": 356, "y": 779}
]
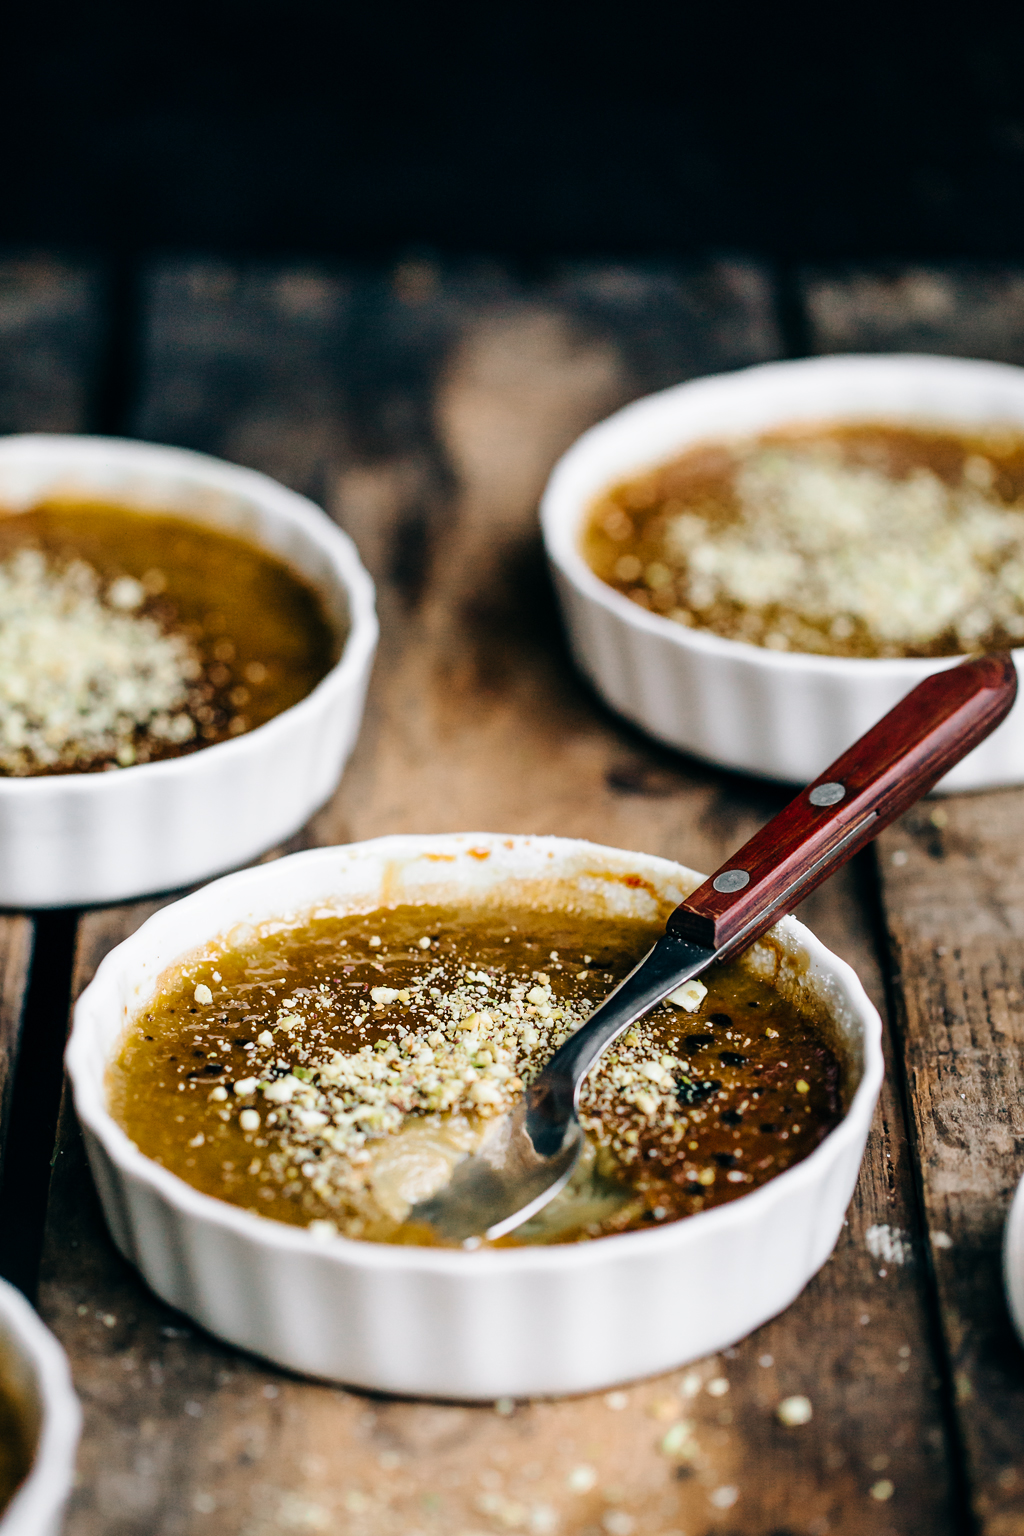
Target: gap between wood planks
[
  {"x": 33, "y": 1104},
  {"x": 868, "y": 865}
]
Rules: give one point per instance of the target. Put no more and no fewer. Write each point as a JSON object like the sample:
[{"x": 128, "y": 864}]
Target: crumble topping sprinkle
[
  {"x": 82, "y": 671},
  {"x": 487, "y": 1035},
  {"x": 909, "y": 559},
  {"x": 799, "y": 547}
]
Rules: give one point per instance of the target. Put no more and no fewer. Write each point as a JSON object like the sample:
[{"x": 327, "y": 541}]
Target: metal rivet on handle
[
  {"x": 827, "y": 794},
  {"x": 731, "y": 880}
]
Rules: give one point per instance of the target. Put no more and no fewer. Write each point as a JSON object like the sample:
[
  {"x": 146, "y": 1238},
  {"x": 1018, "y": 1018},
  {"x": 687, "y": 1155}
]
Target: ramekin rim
[
  {"x": 282, "y": 1236},
  {"x": 347, "y": 571},
  {"x": 51, "y": 1475}
]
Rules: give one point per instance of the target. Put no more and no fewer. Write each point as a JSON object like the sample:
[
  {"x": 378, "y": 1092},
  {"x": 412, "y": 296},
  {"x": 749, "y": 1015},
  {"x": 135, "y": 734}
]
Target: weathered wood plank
[
  {"x": 456, "y": 394},
  {"x": 16, "y": 934},
  {"x": 959, "y": 309},
  {"x": 244, "y": 364},
  {"x": 669, "y": 323},
  {"x": 954, "y": 910},
  {"x": 953, "y": 885},
  {"x": 50, "y": 339}
]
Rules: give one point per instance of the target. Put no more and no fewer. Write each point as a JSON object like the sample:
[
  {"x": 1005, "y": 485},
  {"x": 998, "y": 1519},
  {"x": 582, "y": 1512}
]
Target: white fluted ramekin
[
  {"x": 437, "y": 1322},
  {"x": 34, "y": 1369},
  {"x": 75, "y": 839},
  {"x": 778, "y": 714},
  {"x": 1013, "y": 1259}
]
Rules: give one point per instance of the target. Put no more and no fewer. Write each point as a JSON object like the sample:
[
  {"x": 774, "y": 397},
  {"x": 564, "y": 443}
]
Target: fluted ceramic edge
[
  {"x": 780, "y": 715},
  {"x": 80, "y": 839},
  {"x": 35, "y": 1366},
  {"x": 437, "y": 1322}
]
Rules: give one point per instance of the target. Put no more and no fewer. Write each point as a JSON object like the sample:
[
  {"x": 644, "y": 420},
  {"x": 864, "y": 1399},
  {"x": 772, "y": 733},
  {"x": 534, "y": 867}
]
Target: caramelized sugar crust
[
  {"x": 279, "y": 1071},
  {"x": 15, "y": 1450},
  {"x": 844, "y": 539},
  {"x": 257, "y": 632}
]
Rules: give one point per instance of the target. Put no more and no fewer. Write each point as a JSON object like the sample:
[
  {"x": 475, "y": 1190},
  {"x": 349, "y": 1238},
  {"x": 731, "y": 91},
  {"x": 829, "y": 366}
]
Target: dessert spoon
[{"x": 529, "y": 1155}]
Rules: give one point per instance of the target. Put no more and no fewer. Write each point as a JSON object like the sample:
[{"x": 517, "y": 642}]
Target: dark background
[{"x": 645, "y": 129}]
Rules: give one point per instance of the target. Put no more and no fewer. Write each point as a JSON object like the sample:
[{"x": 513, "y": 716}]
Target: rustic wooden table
[{"x": 423, "y": 408}]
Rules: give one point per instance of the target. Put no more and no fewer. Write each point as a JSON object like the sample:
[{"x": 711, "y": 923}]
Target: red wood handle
[{"x": 878, "y": 778}]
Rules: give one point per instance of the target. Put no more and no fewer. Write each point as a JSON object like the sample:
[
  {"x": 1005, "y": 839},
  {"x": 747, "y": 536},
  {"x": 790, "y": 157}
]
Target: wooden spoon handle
[{"x": 878, "y": 778}]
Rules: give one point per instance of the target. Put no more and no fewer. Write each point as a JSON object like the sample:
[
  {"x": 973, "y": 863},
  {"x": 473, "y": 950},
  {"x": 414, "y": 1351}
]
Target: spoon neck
[{"x": 672, "y": 961}]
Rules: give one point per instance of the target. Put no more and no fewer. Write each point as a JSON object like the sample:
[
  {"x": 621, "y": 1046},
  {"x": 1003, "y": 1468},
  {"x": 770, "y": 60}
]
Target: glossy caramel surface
[
  {"x": 630, "y": 543},
  {"x": 16, "y": 1451},
  {"x": 262, "y": 638},
  {"x": 752, "y": 1087}
]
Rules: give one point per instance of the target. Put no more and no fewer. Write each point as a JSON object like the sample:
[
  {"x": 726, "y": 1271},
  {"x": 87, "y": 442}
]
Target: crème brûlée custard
[
  {"x": 330, "y": 1069},
  {"x": 129, "y": 637},
  {"x": 16, "y": 1447},
  {"x": 861, "y": 539}
]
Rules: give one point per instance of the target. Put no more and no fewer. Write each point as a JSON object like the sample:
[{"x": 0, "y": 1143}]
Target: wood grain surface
[
  {"x": 953, "y": 902},
  {"x": 51, "y": 345},
  {"x": 16, "y": 934},
  {"x": 51, "y": 326},
  {"x": 953, "y": 883},
  {"x": 954, "y": 309},
  {"x": 425, "y": 408}
]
